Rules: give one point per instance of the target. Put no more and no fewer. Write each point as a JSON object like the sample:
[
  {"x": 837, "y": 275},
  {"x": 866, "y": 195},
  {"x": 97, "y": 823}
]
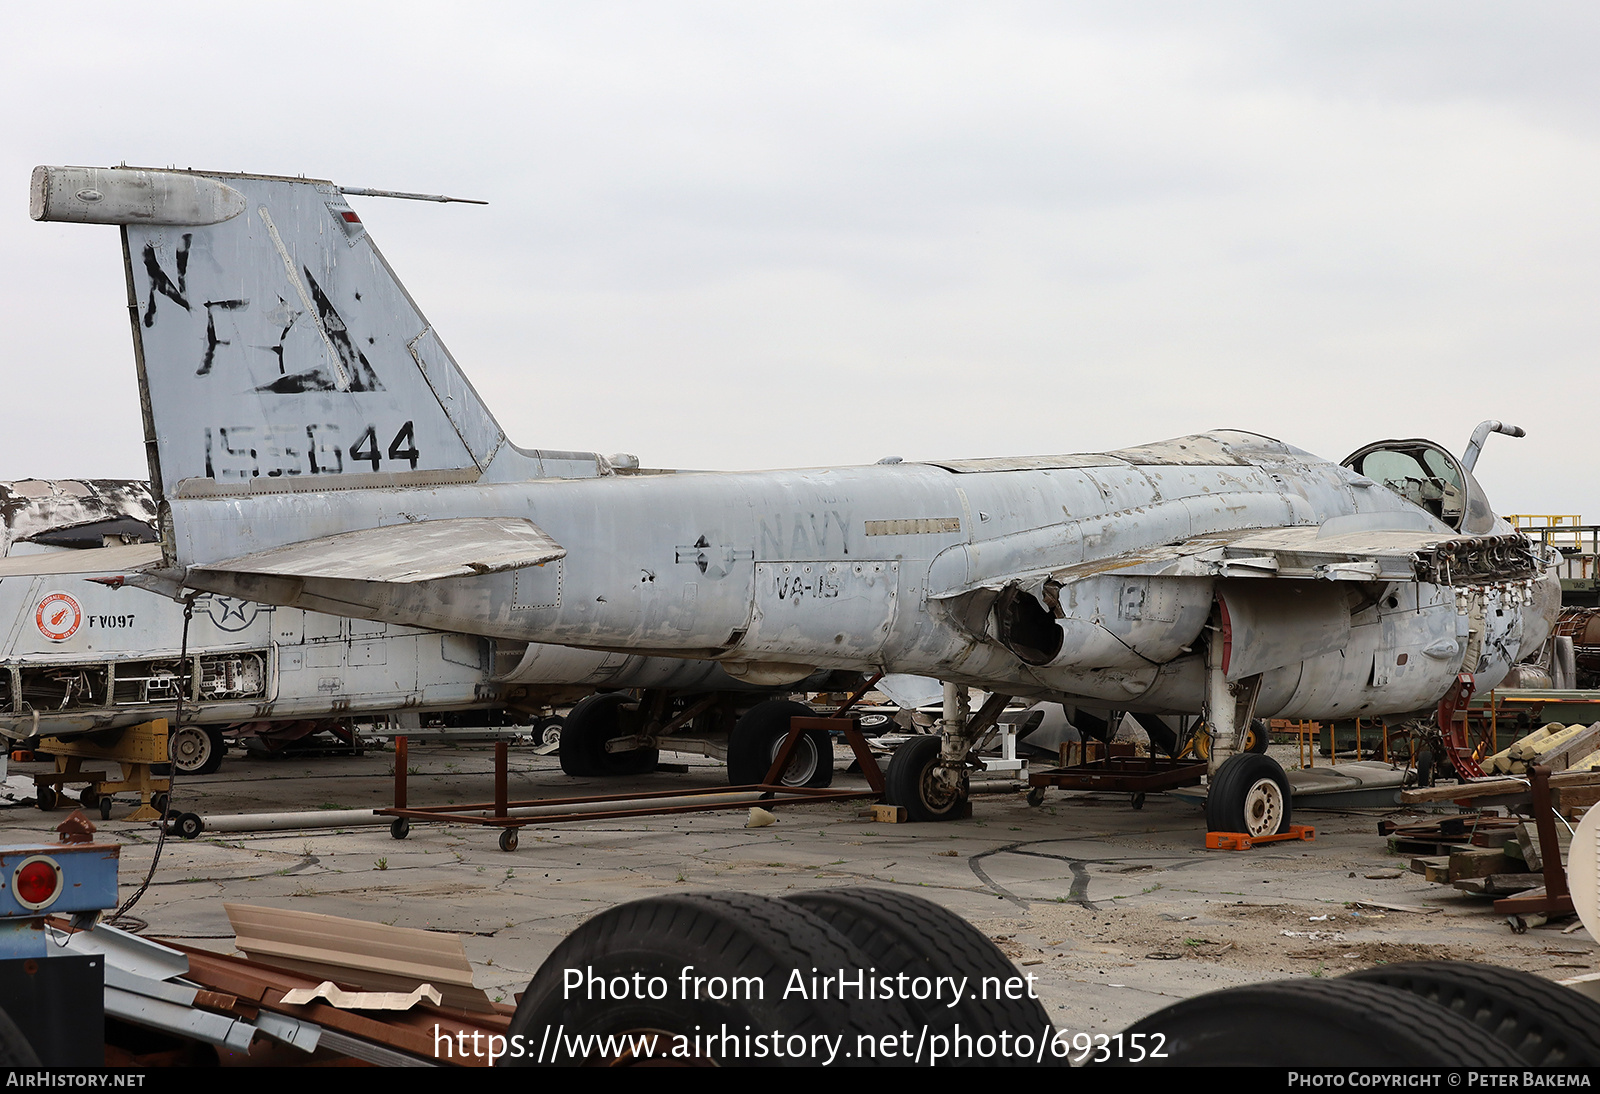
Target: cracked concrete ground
[{"x": 1118, "y": 913}]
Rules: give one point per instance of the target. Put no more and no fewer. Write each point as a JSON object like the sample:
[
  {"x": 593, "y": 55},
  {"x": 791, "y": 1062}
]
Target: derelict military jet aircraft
[{"x": 313, "y": 444}]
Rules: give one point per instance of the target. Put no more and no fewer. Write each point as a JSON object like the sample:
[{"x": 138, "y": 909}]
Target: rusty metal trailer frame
[
  {"x": 1557, "y": 897},
  {"x": 1136, "y": 775},
  {"x": 767, "y": 794}
]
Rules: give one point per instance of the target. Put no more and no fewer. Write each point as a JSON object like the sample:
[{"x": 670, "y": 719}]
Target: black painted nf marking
[
  {"x": 283, "y": 335},
  {"x": 362, "y": 377},
  {"x": 212, "y": 341},
  {"x": 161, "y": 283},
  {"x": 310, "y": 380}
]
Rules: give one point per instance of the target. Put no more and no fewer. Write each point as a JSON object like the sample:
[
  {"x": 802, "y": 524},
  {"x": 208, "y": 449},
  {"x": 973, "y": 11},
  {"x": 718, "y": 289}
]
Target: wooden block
[
  {"x": 1479, "y": 863},
  {"x": 1574, "y": 747},
  {"x": 1528, "y": 840},
  {"x": 1438, "y": 875},
  {"x": 1498, "y": 884},
  {"x": 1420, "y": 864},
  {"x": 889, "y": 814},
  {"x": 1506, "y": 884}
]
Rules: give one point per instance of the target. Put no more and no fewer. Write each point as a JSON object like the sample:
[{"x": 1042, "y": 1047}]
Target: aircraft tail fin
[{"x": 277, "y": 350}]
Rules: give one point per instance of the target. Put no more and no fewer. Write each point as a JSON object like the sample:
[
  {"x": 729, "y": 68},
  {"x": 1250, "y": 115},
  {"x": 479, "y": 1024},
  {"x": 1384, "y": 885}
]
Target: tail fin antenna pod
[{"x": 278, "y": 348}]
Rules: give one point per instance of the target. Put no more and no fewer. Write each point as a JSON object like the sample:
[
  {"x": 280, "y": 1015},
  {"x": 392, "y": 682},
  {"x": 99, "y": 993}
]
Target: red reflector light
[
  {"x": 350, "y": 217},
  {"x": 37, "y": 882}
]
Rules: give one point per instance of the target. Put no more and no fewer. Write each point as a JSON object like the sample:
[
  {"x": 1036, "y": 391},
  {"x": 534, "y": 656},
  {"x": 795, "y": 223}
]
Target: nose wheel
[
  {"x": 916, "y": 781},
  {"x": 1249, "y": 794}
]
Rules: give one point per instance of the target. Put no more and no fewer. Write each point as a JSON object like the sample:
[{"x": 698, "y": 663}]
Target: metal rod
[{"x": 364, "y": 192}]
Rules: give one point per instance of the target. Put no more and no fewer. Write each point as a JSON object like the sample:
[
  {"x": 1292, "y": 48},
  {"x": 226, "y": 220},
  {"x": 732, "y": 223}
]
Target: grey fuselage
[{"x": 864, "y": 568}]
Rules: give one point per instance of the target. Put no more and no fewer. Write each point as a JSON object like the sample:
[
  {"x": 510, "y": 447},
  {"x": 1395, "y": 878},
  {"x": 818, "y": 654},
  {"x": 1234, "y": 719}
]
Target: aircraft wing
[
  {"x": 1342, "y": 549},
  {"x": 403, "y": 554}
]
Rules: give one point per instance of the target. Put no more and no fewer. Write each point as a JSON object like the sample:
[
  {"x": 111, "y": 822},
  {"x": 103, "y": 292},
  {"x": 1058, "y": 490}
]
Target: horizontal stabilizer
[{"x": 403, "y": 554}]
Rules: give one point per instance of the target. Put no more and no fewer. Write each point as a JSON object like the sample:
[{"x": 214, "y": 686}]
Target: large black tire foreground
[
  {"x": 593, "y": 722},
  {"x": 14, "y": 1048},
  {"x": 1544, "y": 1023},
  {"x": 759, "y": 733},
  {"x": 909, "y": 781},
  {"x": 1249, "y": 794},
  {"x": 715, "y": 937},
  {"x": 1310, "y": 1023},
  {"x": 901, "y": 933},
  {"x": 197, "y": 750}
]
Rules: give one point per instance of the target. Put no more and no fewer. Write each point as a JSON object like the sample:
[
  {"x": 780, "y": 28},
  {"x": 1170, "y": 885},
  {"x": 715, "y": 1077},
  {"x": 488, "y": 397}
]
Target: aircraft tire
[
  {"x": 909, "y": 781},
  {"x": 593, "y": 722},
  {"x": 1544, "y": 1023},
  {"x": 1310, "y": 1023},
  {"x": 15, "y": 1051},
  {"x": 1249, "y": 794},
  {"x": 549, "y": 730},
  {"x": 1258, "y": 737},
  {"x": 197, "y": 750},
  {"x": 712, "y": 936},
  {"x": 759, "y": 733},
  {"x": 910, "y": 935}
]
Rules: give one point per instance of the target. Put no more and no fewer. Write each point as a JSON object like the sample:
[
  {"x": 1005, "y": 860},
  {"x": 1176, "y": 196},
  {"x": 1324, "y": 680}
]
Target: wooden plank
[
  {"x": 1498, "y": 884},
  {"x": 1485, "y": 787},
  {"x": 1575, "y": 748}
]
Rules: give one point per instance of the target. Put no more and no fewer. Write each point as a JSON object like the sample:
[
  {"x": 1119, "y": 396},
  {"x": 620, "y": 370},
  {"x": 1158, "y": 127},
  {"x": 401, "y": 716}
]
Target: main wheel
[
  {"x": 665, "y": 978},
  {"x": 1311, "y": 1023},
  {"x": 588, "y": 727},
  {"x": 758, "y": 735},
  {"x": 875, "y": 722},
  {"x": 197, "y": 750},
  {"x": 1544, "y": 1023},
  {"x": 14, "y": 1048},
  {"x": 908, "y": 935},
  {"x": 1249, "y": 794},
  {"x": 910, "y": 781},
  {"x": 1257, "y": 737}
]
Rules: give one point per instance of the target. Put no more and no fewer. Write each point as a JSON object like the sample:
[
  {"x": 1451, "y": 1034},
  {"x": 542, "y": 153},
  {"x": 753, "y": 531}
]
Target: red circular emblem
[{"x": 58, "y": 617}]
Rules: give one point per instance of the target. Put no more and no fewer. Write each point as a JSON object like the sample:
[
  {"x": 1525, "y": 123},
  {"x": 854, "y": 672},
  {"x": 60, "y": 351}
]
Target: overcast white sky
[{"x": 758, "y": 235}]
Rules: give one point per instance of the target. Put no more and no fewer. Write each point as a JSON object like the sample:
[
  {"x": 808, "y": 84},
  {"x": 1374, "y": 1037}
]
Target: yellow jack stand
[{"x": 135, "y": 749}]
